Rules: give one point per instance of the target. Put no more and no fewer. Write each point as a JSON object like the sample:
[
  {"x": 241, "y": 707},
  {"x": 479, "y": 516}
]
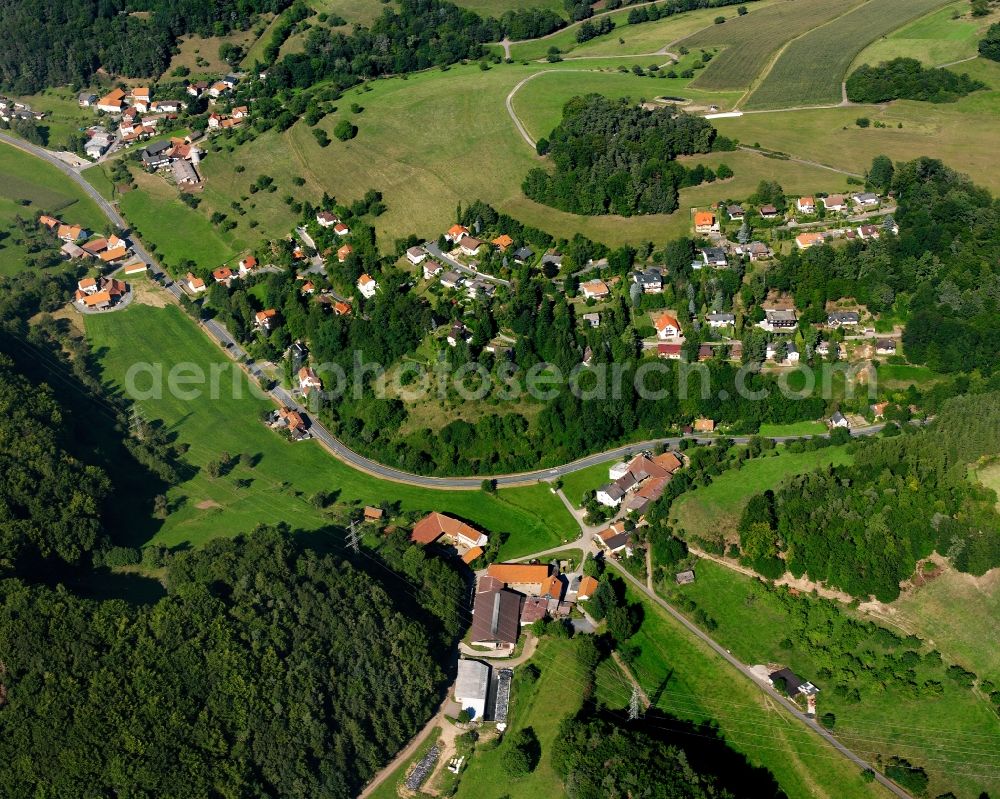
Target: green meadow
[
  {"x": 286, "y": 475},
  {"x": 715, "y": 509}
]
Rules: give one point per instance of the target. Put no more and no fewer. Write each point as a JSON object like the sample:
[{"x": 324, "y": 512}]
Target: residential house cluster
[
  {"x": 512, "y": 595},
  {"x": 77, "y": 243},
  {"x": 294, "y": 422},
  {"x": 639, "y": 482},
  {"x": 14, "y": 109},
  {"x": 439, "y": 528},
  {"x": 100, "y": 293},
  {"x": 181, "y": 155},
  {"x": 212, "y": 90},
  {"x": 225, "y": 275}
]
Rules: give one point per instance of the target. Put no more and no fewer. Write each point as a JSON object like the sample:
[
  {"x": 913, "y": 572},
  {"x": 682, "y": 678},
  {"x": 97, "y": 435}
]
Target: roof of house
[
  {"x": 457, "y": 230},
  {"x": 344, "y": 251},
  {"x": 496, "y": 613},
  {"x": 113, "y": 255},
  {"x": 96, "y": 246},
  {"x": 669, "y": 349},
  {"x": 616, "y": 542},
  {"x": 714, "y": 254},
  {"x": 100, "y": 298},
  {"x": 803, "y": 201},
  {"x": 833, "y": 199},
  {"x": 519, "y": 573},
  {"x": 471, "y": 243},
  {"x": 807, "y": 239},
  {"x": 267, "y": 313},
  {"x": 473, "y": 680},
  {"x": 471, "y": 554},
  {"x": 340, "y": 227},
  {"x": 704, "y": 218},
  {"x": 587, "y": 586},
  {"x": 595, "y": 286},
  {"x": 668, "y": 461},
  {"x": 434, "y": 525},
  {"x": 503, "y": 241},
  {"x": 665, "y": 320},
  {"x": 523, "y": 253},
  {"x": 222, "y": 273}
]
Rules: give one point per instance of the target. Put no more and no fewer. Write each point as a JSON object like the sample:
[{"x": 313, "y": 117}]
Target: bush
[
  {"x": 344, "y": 130},
  {"x": 521, "y": 753},
  {"x": 321, "y": 138},
  {"x": 862, "y": 122}
]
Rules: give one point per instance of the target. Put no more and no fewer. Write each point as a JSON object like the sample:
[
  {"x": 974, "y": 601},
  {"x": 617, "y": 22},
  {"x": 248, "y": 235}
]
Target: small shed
[{"x": 684, "y": 577}]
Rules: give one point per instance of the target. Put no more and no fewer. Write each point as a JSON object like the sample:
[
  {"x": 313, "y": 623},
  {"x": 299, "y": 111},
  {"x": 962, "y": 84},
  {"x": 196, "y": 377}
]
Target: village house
[
  {"x": 684, "y": 577},
  {"x": 735, "y": 212},
  {"x": 703, "y": 425},
  {"x": 86, "y": 99},
  {"x": 805, "y": 205},
  {"x": 669, "y": 352},
  {"x": 667, "y": 326},
  {"x": 341, "y": 229},
  {"x": 592, "y": 319},
  {"x": 705, "y": 353},
  {"x": 866, "y": 200},
  {"x": 184, "y": 172},
  {"x": 367, "y": 286},
  {"x": 197, "y": 88},
  {"x": 156, "y": 155},
  {"x": 885, "y": 346},
  {"x": 469, "y": 245},
  {"x": 458, "y": 332},
  {"x": 755, "y": 251},
  {"x": 266, "y": 319},
  {"x": 791, "y": 683},
  {"x": 717, "y": 320},
  {"x": 344, "y": 253},
  {"x": 113, "y": 254},
  {"x": 373, "y": 514},
  {"x": 842, "y": 318},
  {"x": 502, "y": 242},
  {"x": 456, "y": 233},
  {"x": 631, "y": 475},
  {"x": 240, "y": 112},
  {"x": 112, "y": 102},
  {"x": 341, "y": 308},
  {"x": 806, "y": 240},
  {"x": 705, "y": 223},
  {"x": 523, "y": 255},
  {"x": 614, "y": 539},
  {"x": 292, "y": 421},
  {"x": 472, "y": 687},
  {"x": 529, "y": 579},
  {"x": 194, "y": 284},
  {"x": 451, "y": 279},
  {"x": 714, "y": 256},
  {"x": 595, "y": 289},
  {"x": 416, "y": 255},
  {"x": 223, "y": 275},
  {"x": 431, "y": 269},
  {"x": 441, "y": 528},
  {"x": 768, "y": 212},
  {"x": 649, "y": 280},
  {"x": 835, "y": 202},
  {"x": 878, "y": 409},
  {"x": 309, "y": 380},
  {"x": 552, "y": 259},
  {"x": 71, "y": 251},
  {"x": 778, "y": 319},
  {"x": 867, "y": 232},
  {"x": 588, "y": 585},
  {"x": 100, "y": 294},
  {"x": 736, "y": 351},
  {"x": 839, "y": 420},
  {"x": 247, "y": 265},
  {"x": 71, "y": 232}
]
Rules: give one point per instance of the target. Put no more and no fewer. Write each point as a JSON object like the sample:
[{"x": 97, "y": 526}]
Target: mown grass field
[
  {"x": 179, "y": 232},
  {"x": 63, "y": 114},
  {"x": 811, "y": 69},
  {"x": 962, "y": 134},
  {"x": 954, "y": 736},
  {"x": 750, "y": 43},
  {"x": 935, "y": 39},
  {"x": 26, "y": 178},
  {"x": 715, "y": 509},
  {"x": 793, "y": 429},
  {"x": 557, "y": 694},
  {"x": 287, "y": 474},
  {"x": 575, "y": 485},
  {"x": 690, "y": 682}
]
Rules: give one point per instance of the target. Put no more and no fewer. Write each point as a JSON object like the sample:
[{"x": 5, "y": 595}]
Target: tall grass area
[
  {"x": 286, "y": 475},
  {"x": 953, "y": 734},
  {"x": 715, "y": 510},
  {"x": 811, "y": 69}
]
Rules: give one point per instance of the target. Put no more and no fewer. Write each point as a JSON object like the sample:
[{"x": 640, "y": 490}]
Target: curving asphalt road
[{"x": 325, "y": 437}]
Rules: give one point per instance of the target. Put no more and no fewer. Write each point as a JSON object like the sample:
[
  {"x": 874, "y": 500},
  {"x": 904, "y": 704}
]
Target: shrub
[{"x": 345, "y": 130}]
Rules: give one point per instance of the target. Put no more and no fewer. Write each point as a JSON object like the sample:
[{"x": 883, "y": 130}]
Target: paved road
[
  {"x": 438, "y": 254},
  {"x": 767, "y": 689}
]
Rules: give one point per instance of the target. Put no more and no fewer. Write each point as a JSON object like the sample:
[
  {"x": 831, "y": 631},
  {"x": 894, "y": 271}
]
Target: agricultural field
[
  {"x": 286, "y": 474},
  {"x": 63, "y": 114},
  {"x": 953, "y": 736},
  {"x": 793, "y": 429},
  {"x": 715, "y": 509},
  {"x": 28, "y": 186},
  {"x": 947, "y": 35},
  {"x": 750, "y": 43},
  {"x": 811, "y": 70},
  {"x": 681, "y": 675},
  {"x": 962, "y": 134}
]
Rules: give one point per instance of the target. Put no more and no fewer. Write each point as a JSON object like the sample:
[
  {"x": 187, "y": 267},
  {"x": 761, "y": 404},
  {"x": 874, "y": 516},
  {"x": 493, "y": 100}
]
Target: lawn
[
  {"x": 901, "y": 375},
  {"x": 179, "y": 232},
  {"x": 63, "y": 114},
  {"x": 793, "y": 429},
  {"x": 962, "y": 134},
  {"x": 750, "y": 43},
  {"x": 557, "y": 694},
  {"x": 26, "y": 178},
  {"x": 935, "y": 39},
  {"x": 688, "y": 681},
  {"x": 953, "y": 736},
  {"x": 576, "y": 484},
  {"x": 811, "y": 69},
  {"x": 287, "y": 474},
  {"x": 715, "y": 509},
  {"x": 97, "y": 177}
]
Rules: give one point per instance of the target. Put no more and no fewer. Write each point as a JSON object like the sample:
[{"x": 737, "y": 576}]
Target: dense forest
[
  {"x": 55, "y": 42},
  {"x": 286, "y": 670},
  {"x": 942, "y": 271},
  {"x": 610, "y": 157},
  {"x": 597, "y": 759},
  {"x": 862, "y": 528},
  {"x": 908, "y": 79}
]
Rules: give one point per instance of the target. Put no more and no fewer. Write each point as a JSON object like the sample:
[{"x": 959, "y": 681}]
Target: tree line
[{"x": 908, "y": 79}]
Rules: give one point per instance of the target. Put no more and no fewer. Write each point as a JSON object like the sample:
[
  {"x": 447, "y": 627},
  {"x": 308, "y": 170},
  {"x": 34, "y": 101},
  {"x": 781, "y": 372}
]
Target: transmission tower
[
  {"x": 353, "y": 539},
  {"x": 633, "y": 705}
]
